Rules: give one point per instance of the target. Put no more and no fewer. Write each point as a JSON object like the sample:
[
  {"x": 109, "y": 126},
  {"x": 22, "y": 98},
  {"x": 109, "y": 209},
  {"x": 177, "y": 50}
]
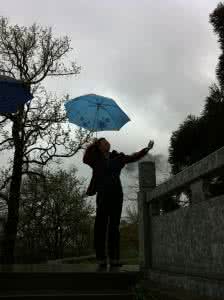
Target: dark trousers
[{"x": 107, "y": 222}]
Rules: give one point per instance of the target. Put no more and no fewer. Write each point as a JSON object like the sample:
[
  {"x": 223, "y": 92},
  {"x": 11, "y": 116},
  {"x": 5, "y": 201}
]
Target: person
[{"x": 106, "y": 185}]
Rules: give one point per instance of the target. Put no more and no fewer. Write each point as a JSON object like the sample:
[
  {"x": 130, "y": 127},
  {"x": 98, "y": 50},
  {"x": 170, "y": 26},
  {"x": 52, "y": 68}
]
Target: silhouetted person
[{"x": 105, "y": 182}]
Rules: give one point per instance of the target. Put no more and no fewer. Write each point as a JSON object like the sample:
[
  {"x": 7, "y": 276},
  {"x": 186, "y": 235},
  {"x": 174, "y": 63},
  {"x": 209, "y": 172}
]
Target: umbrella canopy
[
  {"x": 95, "y": 113},
  {"x": 12, "y": 94}
]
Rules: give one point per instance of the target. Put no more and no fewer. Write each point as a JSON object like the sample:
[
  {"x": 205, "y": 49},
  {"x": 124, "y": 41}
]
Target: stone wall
[
  {"x": 183, "y": 248},
  {"x": 1, "y": 234},
  {"x": 190, "y": 240}
]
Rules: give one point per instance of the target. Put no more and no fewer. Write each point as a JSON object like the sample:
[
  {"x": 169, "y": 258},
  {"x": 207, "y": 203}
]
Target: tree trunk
[
  {"x": 56, "y": 252},
  {"x": 14, "y": 192}
]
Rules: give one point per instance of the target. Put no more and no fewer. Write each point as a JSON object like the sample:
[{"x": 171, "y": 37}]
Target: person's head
[{"x": 103, "y": 145}]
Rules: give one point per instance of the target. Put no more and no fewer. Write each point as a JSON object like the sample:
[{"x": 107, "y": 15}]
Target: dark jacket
[{"x": 106, "y": 169}]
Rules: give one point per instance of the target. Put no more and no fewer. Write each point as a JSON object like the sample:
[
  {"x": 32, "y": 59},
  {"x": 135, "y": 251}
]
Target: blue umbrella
[
  {"x": 95, "y": 113},
  {"x": 12, "y": 94}
]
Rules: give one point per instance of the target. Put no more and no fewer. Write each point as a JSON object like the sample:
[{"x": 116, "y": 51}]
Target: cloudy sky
[{"x": 155, "y": 58}]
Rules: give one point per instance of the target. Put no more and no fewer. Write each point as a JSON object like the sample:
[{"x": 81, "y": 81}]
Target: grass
[{"x": 129, "y": 257}]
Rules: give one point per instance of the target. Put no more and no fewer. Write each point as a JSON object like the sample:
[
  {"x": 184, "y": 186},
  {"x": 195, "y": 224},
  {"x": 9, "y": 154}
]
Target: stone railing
[{"x": 188, "y": 241}]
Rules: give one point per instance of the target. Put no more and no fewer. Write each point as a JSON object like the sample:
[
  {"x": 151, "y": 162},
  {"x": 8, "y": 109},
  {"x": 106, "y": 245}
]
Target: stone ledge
[
  {"x": 197, "y": 285},
  {"x": 202, "y": 168}
]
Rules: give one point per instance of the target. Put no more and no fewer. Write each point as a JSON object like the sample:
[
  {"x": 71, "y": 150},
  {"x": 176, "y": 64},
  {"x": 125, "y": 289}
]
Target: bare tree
[{"x": 35, "y": 133}]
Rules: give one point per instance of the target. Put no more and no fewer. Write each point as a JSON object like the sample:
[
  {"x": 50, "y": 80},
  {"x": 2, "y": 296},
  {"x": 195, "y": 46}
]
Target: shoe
[
  {"x": 101, "y": 264},
  {"x": 115, "y": 267},
  {"x": 101, "y": 267}
]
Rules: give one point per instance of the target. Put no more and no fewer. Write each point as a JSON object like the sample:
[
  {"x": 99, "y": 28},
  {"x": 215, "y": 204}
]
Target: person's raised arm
[{"x": 137, "y": 155}]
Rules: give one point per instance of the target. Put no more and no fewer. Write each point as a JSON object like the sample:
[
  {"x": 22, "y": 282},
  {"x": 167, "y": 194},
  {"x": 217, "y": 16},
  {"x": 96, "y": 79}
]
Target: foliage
[
  {"x": 199, "y": 136},
  {"x": 187, "y": 144},
  {"x": 54, "y": 214}
]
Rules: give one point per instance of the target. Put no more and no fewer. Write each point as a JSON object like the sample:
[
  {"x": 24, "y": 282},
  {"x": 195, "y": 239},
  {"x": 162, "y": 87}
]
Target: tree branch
[
  {"x": 7, "y": 180},
  {"x": 4, "y": 120},
  {"x": 6, "y": 141},
  {"x": 34, "y": 173},
  {"x": 4, "y": 196},
  {"x": 62, "y": 74},
  {"x": 8, "y": 116}
]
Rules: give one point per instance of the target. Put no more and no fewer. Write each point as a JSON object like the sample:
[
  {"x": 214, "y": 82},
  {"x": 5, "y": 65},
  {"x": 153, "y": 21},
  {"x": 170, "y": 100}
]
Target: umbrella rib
[
  {"x": 108, "y": 114},
  {"x": 114, "y": 105},
  {"x": 93, "y": 105},
  {"x": 95, "y": 118}
]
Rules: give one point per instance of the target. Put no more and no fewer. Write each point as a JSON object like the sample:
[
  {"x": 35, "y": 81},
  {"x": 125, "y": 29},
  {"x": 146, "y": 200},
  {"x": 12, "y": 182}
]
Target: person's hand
[{"x": 150, "y": 145}]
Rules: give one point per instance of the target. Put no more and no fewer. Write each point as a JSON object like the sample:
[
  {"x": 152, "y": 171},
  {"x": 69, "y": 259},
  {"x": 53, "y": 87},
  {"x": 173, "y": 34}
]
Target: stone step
[
  {"x": 82, "y": 281},
  {"x": 67, "y": 279},
  {"x": 50, "y": 295}
]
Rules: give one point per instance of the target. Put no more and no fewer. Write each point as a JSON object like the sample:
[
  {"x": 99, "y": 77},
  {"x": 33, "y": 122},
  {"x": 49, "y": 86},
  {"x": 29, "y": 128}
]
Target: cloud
[
  {"x": 161, "y": 164},
  {"x": 155, "y": 58}
]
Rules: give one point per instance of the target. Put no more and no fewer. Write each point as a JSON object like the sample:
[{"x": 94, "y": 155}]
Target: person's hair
[
  {"x": 93, "y": 149},
  {"x": 99, "y": 140}
]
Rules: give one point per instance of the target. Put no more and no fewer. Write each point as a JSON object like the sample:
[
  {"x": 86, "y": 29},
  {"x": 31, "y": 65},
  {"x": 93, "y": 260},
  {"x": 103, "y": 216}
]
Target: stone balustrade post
[
  {"x": 147, "y": 182},
  {"x": 197, "y": 192}
]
